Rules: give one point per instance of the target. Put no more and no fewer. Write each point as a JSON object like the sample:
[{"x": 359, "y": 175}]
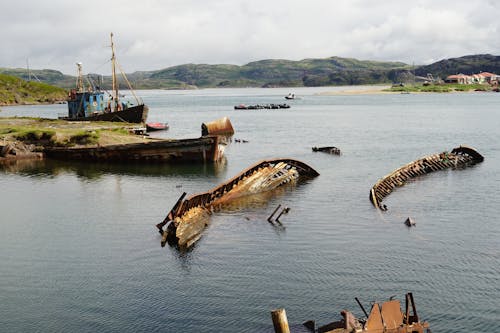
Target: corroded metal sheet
[
  {"x": 386, "y": 317},
  {"x": 221, "y": 126}
]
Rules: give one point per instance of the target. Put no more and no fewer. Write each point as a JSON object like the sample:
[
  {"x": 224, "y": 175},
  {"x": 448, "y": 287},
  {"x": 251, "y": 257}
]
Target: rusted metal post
[
  {"x": 269, "y": 219},
  {"x": 170, "y": 216},
  {"x": 284, "y": 211},
  {"x": 280, "y": 322}
]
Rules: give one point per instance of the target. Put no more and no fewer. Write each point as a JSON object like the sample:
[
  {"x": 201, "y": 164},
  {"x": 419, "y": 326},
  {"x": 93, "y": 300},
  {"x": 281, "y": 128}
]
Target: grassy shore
[
  {"x": 409, "y": 88},
  {"x": 439, "y": 88},
  {"x": 61, "y": 133},
  {"x": 15, "y": 91}
]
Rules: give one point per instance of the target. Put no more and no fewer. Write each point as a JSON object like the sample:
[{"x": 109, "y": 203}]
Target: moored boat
[
  {"x": 88, "y": 103},
  {"x": 150, "y": 127},
  {"x": 261, "y": 106}
]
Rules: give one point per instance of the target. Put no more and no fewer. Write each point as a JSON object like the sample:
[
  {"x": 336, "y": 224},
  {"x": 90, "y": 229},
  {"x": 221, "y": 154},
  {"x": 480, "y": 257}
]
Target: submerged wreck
[
  {"x": 459, "y": 157},
  {"x": 204, "y": 149},
  {"x": 187, "y": 219},
  {"x": 383, "y": 318}
]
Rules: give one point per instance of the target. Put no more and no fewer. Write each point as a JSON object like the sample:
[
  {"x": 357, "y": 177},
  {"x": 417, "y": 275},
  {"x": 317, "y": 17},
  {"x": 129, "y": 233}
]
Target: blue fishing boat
[{"x": 90, "y": 103}]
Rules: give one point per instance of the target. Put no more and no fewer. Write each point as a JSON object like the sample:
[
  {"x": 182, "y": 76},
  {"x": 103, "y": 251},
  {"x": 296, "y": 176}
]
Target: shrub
[
  {"x": 84, "y": 138},
  {"x": 33, "y": 135}
]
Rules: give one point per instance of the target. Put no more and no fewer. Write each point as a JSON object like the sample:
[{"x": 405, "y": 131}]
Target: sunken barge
[
  {"x": 203, "y": 149},
  {"x": 187, "y": 219},
  {"x": 459, "y": 157}
]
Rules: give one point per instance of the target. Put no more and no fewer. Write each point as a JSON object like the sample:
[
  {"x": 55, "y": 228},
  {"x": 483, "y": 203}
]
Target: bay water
[{"x": 79, "y": 251}]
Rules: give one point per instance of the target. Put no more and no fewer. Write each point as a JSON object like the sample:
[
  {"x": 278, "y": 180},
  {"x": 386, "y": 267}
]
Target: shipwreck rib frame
[
  {"x": 207, "y": 199},
  {"x": 461, "y": 156}
]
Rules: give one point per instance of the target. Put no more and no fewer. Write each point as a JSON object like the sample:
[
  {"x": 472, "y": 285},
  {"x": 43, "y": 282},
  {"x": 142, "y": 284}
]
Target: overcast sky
[{"x": 155, "y": 34}]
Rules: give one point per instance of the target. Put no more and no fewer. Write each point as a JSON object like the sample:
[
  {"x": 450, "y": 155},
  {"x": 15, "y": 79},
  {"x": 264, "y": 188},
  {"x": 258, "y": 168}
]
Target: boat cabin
[{"x": 84, "y": 104}]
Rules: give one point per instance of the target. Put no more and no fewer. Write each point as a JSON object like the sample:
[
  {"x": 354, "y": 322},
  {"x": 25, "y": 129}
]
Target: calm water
[{"x": 79, "y": 251}]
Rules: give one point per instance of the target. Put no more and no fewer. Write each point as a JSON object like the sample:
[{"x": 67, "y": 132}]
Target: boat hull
[
  {"x": 151, "y": 127},
  {"x": 204, "y": 149},
  {"x": 132, "y": 114}
]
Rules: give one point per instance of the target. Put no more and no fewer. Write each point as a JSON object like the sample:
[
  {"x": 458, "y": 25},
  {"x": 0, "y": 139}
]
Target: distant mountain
[
  {"x": 470, "y": 64},
  {"x": 282, "y": 73}
]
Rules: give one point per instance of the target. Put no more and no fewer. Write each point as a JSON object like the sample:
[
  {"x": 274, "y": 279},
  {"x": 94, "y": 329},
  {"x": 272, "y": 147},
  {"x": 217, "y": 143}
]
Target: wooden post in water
[{"x": 280, "y": 322}]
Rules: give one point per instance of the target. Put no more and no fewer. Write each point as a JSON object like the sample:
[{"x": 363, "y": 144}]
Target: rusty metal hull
[
  {"x": 221, "y": 126},
  {"x": 188, "y": 218},
  {"x": 385, "y": 317},
  {"x": 205, "y": 149},
  {"x": 458, "y": 158}
]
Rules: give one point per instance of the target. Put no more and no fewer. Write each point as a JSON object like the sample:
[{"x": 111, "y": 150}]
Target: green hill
[
  {"x": 470, "y": 64},
  {"x": 282, "y": 73},
  {"x": 14, "y": 90},
  {"x": 49, "y": 76}
]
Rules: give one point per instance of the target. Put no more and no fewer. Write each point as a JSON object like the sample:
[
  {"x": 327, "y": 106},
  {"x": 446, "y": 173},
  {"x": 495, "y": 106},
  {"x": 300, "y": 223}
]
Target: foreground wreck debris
[
  {"x": 383, "y": 318},
  {"x": 459, "y": 157},
  {"x": 187, "y": 219}
]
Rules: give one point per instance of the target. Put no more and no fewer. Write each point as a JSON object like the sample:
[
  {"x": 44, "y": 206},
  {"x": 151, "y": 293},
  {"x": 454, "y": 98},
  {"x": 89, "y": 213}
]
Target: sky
[{"x": 156, "y": 34}]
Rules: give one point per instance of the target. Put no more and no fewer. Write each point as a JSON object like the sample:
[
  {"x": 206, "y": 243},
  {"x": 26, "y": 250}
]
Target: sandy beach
[{"x": 358, "y": 90}]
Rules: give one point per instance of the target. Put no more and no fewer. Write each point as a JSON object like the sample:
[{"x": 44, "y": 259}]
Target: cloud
[{"x": 155, "y": 34}]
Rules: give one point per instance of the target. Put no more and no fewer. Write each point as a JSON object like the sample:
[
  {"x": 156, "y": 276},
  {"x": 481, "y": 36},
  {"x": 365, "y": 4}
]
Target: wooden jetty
[
  {"x": 204, "y": 149},
  {"x": 187, "y": 219},
  {"x": 458, "y": 158}
]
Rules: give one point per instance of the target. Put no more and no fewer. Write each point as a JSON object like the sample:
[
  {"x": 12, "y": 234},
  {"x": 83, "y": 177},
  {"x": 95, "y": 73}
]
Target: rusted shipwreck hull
[
  {"x": 458, "y": 158},
  {"x": 204, "y": 149},
  {"x": 188, "y": 217},
  {"x": 386, "y": 317}
]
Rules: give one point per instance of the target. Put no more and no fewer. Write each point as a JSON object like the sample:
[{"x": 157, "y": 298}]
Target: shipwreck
[
  {"x": 386, "y": 317},
  {"x": 459, "y": 157},
  {"x": 187, "y": 219}
]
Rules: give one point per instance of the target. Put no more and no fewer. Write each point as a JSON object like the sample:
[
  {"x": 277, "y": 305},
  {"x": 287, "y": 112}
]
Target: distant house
[
  {"x": 459, "y": 78},
  {"x": 483, "y": 77},
  {"x": 488, "y": 77}
]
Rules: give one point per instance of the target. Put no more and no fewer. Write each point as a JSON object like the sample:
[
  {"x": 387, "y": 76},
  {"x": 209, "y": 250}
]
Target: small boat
[
  {"x": 290, "y": 96},
  {"x": 88, "y": 104},
  {"x": 261, "y": 106},
  {"x": 150, "y": 127},
  {"x": 330, "y": 150}
]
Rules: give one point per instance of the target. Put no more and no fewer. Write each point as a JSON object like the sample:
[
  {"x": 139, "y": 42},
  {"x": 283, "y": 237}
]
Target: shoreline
[{"x": 359, "y": 90}]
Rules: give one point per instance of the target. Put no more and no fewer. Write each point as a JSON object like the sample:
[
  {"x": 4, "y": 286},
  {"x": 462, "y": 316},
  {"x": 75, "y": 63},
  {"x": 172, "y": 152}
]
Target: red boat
[{"x": 156, "y": 127}]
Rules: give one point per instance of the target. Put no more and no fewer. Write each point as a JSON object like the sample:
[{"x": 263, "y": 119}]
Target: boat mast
[
  {"x": 79, "y": 78},
  {"x": 113, "y": 74},
  {"x": 28, "y": 67}
]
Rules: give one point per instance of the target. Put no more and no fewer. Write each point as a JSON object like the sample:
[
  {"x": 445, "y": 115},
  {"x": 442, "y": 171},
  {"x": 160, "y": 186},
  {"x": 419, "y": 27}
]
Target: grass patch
[
  {"x": 33, "y": 135},
  {"x": 85, "y": 138}
]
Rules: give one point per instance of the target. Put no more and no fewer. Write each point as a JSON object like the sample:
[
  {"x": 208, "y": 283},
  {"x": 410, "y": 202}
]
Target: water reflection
[{"x": 48, "y": 168}]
